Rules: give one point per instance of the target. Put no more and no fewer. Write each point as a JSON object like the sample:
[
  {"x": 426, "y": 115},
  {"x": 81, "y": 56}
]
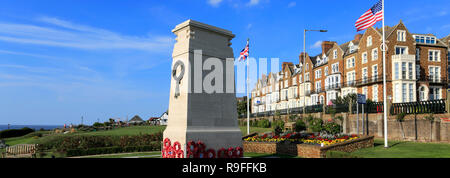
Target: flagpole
[
  {"x": 384, "y": 84},
  {"x": 248, "y": 97}
]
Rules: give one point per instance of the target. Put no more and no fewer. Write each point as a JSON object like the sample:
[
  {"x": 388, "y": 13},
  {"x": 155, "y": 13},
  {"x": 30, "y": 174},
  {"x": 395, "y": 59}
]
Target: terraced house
[{"x": 416, "y": 70}]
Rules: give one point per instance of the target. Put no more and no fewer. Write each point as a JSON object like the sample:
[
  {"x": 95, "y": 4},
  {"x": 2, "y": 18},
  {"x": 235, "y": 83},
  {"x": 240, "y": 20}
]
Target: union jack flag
[
  {"x": 244, "y": 53},
  {"x": 371, "y": 17}
]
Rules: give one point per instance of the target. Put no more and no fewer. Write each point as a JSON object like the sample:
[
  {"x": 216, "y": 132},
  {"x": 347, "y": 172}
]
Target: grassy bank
[{"x": 400, "y": 149}]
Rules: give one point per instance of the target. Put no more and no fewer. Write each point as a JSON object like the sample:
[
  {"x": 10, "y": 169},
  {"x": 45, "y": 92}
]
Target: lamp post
[{"x": 304, "y": 64}]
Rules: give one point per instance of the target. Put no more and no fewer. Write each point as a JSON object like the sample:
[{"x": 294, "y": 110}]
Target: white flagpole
[
  {"x": 384, "y": 84},
  {"x": 248, "y": 97}
]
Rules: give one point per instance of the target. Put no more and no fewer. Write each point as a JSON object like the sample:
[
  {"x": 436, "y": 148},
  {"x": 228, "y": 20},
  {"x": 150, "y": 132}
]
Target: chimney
[
  {"x": 302, "y": 54},
  {"x": 358, "y": 37},
  {"x": 326, "y": 46}
]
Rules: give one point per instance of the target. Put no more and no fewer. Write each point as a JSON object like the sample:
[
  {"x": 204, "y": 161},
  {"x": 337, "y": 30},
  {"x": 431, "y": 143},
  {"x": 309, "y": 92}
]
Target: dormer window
[
  {"x": 425, "y": 39},
  {"x": 401, "y": 35},
  {"x": 369, "y": 41},
  {"x": 335, "y": 55}
]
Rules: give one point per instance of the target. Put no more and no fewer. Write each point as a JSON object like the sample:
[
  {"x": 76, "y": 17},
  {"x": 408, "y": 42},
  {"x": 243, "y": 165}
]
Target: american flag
[
  {"x": 371, "y": 17},
  {"x": 244, "y": 53}
]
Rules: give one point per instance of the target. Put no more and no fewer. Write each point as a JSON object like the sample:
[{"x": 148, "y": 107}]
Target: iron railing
[{"x": 422, "y": 107}]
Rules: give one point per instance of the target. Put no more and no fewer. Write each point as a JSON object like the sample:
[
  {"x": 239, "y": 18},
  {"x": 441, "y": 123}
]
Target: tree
[
  {"x": 242, "y": 107},
  {"x": 98, "y": 124},
  {"x": 431, "y": 119},
  {"x": 400, "y": 120}
]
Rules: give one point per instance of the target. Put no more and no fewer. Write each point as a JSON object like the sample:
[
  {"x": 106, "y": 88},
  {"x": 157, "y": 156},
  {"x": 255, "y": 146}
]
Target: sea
[{"x": 35, "y": 127}]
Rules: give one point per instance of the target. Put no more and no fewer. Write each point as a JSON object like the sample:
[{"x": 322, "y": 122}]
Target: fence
[{"x": 422, "y": 107}]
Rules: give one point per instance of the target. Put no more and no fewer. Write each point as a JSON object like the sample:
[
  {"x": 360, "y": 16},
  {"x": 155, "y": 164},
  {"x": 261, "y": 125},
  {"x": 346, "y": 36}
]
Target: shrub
[
  {"x": 316, "y": 125},
  {"x": 401, "y": 117},
  {"x": 97, "y": 124},
  {"x": 278, "y": 130},
  {"x": 300, "y": 126},
  {"x": 69, "y": 142},
  {"x": 332, "y": 128},
  {"x": 15, "y": 132},
  {"x": 278, "y": 123},
  {"x": 264, "y": 123},
  {"x": 154, "y": 146}
]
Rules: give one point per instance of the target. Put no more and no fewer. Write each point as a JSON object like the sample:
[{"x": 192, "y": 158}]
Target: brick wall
[{"x": 306, "y": 150}]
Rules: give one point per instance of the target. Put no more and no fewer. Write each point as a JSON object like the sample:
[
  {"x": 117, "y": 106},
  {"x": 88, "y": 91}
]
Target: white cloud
[
  {"x": 70, "y": 35},
  {"x": 249, "y": 26},
  {"x": 254, "y": 2},
  {"x": 214, "y": 3},
  {"x": 292, "y": 4},
  {"x": 316, "y": 45}
]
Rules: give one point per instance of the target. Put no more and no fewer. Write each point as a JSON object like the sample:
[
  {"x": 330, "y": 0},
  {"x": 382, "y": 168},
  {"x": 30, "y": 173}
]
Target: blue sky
[{"x": 60, "y": 60}]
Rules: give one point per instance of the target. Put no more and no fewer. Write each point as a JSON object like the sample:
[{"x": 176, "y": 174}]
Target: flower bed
[
  {"x": 312, "y": 149},
  {"x": 303, "y": 138}
]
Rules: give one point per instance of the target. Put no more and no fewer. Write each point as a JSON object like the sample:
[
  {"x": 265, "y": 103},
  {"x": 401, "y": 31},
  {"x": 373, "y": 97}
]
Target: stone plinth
[{"x": 196, "y": 113}]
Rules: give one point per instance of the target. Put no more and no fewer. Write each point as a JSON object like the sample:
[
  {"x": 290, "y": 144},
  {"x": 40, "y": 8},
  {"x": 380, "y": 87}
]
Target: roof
[{"x": 136, "y": 118}]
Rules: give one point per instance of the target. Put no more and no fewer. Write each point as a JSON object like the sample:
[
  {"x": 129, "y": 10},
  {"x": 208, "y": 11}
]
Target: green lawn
[
  {"x": 399, "y": 149},
  {"x": 134, "y": 130},
  {"x": 255, "y": 129},
  {"x": 128, "y": 155}
]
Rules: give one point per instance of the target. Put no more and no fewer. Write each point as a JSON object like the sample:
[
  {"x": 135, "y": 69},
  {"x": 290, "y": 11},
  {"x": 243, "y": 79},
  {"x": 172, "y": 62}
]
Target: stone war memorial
[{"x": 203, "y": 121}]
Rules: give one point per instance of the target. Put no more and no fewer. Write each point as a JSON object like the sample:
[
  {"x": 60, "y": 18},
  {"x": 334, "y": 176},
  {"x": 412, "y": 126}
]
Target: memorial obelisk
[{"x": 202, "y": 104}]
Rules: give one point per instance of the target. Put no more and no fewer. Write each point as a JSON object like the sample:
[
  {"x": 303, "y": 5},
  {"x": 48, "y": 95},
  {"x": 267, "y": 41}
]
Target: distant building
[
  {"x": 136, "y": 120},
  {"x": 164, "y": 118},
  {"x": 154, "y": 121}
]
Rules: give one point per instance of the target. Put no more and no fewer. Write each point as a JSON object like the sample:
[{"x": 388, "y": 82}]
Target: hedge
[
  {"x": 155, "y": 146},
  {"x": 15, "y": 132},
  {"x": 75, "y": 142}
]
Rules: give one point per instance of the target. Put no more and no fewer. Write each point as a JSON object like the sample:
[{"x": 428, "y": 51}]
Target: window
[
  {"x": 364, "y": 58},
  {"x": 319, "y": 74},
  {"x": 307, "y": 77},
  {"x": 435, "y": 73},
  {"x": 375, "y": 93},
  {"x": 375, "y": 73},
  {"x": 335, "y": 54},
  {"x": 401, "y": 35},
  {"x": 417, "y": 71},
  {"x": 365, "y": 91},
  {"x": 403, "y": 70},
  {"x": 335, "y": 68},
  {"x": 326, "y": 71},
  {"x": 434, "y": 55},
  {"x": 369, "y": 41},
  {"x": 410, "y": 70},
  {"x": 435, "y": 93},
  {"x": 400, "y": 50},
  {"x": 397, "y": 93},
  {"x": 318, "y": 86},
  {"x": 351, "y": 62},
  {"x": 417, "y": 54},
  {"x": 307, "y": 66},
  {"x": 411, "y": 92},
  {"x": 396, "y": 71},
  {"x": 375, "y": 54},
  {"x": 404, "y": 93},
  {"x": 364, "y": 75},
  {"x": 351, "y": 78}
]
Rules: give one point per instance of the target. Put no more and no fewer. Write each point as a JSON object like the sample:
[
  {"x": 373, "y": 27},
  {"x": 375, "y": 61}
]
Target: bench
[{"x": 20, "y": 151}]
